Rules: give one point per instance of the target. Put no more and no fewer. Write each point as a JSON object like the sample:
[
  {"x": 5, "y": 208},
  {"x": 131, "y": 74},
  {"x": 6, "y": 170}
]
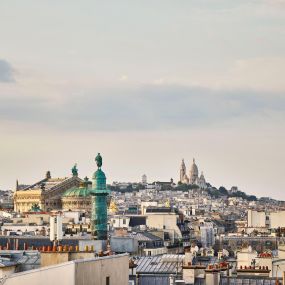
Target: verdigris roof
[{"x": 77, "y": 192}]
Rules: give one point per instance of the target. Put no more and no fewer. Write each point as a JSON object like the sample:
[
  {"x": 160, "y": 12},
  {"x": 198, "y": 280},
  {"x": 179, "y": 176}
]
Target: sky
[{"x": 145, "y": 83}]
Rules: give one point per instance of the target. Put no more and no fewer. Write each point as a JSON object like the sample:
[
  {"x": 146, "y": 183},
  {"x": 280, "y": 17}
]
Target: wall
[
  {"x": 145, "y": 204},
  {"x": 255, "y": 219},
  {"x": 244, "y": 258},
  {"x": 98, "y": 245},
  {"x": 89, "y": 272},
  {"x": 277, "y": 219},
  {"x": 261, "y": 261},
  {"x": 207, "y": 236},
  {"x": 120, "y": 221},
  {"x": 124, "y": 244},
  {"x": 188, "y": 275},
  {"x": 72, "y": 215},
  {"x": 212, "y": 278},
  {"x": 258, "y": 219},
  {"x": 62, "y": 274},
  {"x": 51, "y": 258},
  {"x": 80, "y": 272},
  {"x": 154, "y": 251},
  {"x": 164, "y": 221},
  {"x": 281, "y": 251},
  {"x": 36, "y": 218},
  {"x": 6, "y": 271},
  {"x": 22, "y": 228}
]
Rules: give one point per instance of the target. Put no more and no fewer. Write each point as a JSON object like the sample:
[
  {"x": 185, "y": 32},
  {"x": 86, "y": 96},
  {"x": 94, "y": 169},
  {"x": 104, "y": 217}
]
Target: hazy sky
[{"x": 146, "y": 83}]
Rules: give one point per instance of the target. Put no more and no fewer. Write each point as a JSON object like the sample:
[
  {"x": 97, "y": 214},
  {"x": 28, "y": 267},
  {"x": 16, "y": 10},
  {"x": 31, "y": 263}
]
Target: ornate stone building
[
  {"x": 193, "y": 173},
  {"x": 78, "y": 198},
  {"x": 183, "y": 176},
  {"x": 193, "y": 177},
  {"x": 46, "y": 194}
]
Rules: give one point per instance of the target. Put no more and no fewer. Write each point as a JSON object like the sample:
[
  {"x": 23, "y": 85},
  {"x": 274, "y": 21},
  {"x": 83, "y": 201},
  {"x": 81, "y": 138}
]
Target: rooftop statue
[
  {"x": 98, "y": 160},
  {"x": 74, "y": 170},
  {"x": 35, "y": 208},
  {"x": 48, "y": 176}
]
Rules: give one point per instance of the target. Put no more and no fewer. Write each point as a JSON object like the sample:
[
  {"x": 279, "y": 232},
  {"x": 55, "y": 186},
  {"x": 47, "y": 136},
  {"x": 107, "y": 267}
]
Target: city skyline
[{"x": 146, "y": 89}]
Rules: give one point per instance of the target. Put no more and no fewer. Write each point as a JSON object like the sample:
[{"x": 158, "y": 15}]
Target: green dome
[{"x": 77, "y": 192}]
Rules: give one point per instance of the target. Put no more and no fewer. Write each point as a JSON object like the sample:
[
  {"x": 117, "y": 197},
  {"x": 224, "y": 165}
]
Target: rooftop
[{"x": 166, "y": 264}]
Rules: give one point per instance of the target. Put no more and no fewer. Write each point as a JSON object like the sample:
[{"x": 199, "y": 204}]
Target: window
[
  {"x": 124, "y": 221},
  {"x": 108, "y": 280}
]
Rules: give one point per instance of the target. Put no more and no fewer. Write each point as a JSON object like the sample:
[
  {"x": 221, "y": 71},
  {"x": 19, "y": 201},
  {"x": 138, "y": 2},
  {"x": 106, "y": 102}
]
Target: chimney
[
  {"x": 188, "y": 257},
  {"x": 212, "y": 277}
]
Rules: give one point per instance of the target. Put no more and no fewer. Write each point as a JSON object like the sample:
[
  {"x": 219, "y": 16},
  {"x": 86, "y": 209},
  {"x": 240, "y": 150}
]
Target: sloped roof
[
  {"x": 160, "y": 264},
  {"x": 77, "y": 192}
]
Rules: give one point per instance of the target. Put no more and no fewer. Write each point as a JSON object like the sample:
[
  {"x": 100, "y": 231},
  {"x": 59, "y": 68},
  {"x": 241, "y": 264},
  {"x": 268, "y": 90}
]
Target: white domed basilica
[{"x": 193, "y": 177}]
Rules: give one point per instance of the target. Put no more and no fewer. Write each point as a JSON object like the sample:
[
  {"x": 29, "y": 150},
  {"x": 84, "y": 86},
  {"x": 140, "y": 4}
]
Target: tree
[
  {"x": 223, "y": 191},
  {"x": 252, "y": 198}
]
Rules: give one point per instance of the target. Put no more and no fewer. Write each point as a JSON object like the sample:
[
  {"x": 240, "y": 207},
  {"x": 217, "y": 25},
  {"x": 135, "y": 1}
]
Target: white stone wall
[
  {"x": 80, "y": 272},
  {"x": 62, "y": 274},
  {"x": 120, "y": 222},
  {"x": 167, "y": 222},
  {"x": 145, "y": 204},
  {"x": 244, "y": 258},
  {"x": 255, "y": 219},
  {"x": 155, "y": 251},
  {"x": 277, "y": 219}
]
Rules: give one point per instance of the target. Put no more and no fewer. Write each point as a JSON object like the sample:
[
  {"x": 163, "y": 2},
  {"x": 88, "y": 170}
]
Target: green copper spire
[{"x": 99, "y": 194}]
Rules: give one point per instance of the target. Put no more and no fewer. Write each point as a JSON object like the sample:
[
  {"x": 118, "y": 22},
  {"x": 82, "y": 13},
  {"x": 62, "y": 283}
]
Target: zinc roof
[{"x": 161, "y": 264}]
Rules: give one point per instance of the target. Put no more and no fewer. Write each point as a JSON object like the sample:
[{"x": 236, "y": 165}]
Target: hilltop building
[
  {"x": 144, "y": 179},
  {"x": 193, "y": 177}
]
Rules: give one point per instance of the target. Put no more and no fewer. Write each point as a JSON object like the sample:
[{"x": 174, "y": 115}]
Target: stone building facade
[
  {"x": 45, "y": 194},
  {"x": 78, "y": 198}
]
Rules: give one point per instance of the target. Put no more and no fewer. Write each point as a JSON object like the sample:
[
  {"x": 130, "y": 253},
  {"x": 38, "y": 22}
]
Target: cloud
[
  {"x": 262, "y": 74},
  {"x": 123, "y": 77},
  {"x": 152, "y": 107},
  {"x": 275, "y": 2},
  {"x": 6, "y": 71}
]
